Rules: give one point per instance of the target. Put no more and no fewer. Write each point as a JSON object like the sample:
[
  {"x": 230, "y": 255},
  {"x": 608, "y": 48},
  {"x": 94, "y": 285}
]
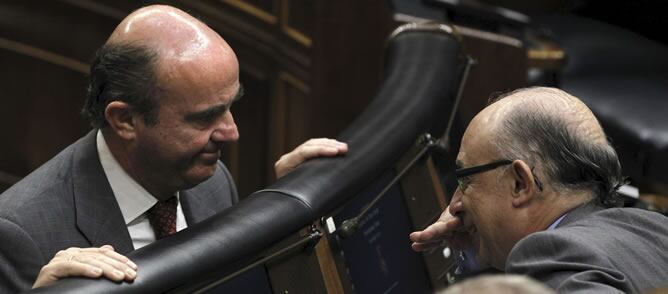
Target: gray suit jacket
[
  {"x": 67, "y": 202},
  {"x": 596, "y": 250}
]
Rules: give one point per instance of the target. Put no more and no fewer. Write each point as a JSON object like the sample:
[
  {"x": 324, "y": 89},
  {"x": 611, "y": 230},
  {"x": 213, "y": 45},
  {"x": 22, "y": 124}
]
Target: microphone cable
[{"x": 349, "y": 226}]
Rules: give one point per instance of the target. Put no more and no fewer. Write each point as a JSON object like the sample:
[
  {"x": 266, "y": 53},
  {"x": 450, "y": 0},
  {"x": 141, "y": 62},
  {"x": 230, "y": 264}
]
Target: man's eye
[
  {"x": 208, "y": 117},
  {"x": 205, "y": 120},
  {"x": 463, "y": 183}
]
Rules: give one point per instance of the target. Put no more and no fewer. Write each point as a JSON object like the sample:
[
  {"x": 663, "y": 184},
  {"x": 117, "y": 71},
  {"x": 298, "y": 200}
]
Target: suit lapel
[
  {"x": 209, "y": 197},
  {"x": 98, "y": 216},
  {"x": 196, "y": 206}
]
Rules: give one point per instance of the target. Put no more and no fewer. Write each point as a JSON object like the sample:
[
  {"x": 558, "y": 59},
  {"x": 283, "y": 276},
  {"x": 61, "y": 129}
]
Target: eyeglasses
[{"x": 463, "y": 174}]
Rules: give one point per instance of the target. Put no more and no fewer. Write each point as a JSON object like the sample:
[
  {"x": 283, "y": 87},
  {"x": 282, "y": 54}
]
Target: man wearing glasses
[{"x": 537, "y": 183}]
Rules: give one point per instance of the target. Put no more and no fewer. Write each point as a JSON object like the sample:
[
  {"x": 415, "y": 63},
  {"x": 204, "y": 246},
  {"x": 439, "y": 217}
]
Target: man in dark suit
[
  {"x": 536, "y": 175},
  {"x": 159, "y": 100}
]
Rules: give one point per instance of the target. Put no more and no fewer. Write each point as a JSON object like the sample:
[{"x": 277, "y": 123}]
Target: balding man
[
  {"x": 160, "y": 94},
  {"x": 536, "y": 175}
]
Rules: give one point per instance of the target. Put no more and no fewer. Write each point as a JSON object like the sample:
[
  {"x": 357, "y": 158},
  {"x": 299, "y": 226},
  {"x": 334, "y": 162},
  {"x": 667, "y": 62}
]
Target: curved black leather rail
[{"x": 423, "y": 70}]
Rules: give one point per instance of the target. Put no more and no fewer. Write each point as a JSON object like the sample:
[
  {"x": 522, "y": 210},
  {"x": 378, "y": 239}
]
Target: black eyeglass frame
[{"x": 469, "y": 171}]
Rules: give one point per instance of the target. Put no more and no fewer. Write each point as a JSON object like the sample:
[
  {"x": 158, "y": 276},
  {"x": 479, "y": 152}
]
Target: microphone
[{"x": 349, "y": 226}]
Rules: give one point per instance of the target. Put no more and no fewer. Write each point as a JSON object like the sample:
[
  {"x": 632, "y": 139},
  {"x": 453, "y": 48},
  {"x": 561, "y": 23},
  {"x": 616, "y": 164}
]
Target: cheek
[
  {"x": 199, "y": 140},
  {"x": 482, "y": 211},
  {"x": 189, "y": 140}
]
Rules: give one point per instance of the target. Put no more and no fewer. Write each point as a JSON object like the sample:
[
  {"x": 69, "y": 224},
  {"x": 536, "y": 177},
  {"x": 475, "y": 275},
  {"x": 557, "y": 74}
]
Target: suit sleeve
[
  {"x": 20, "y": 259},
  {"x": 568, "y": 263}
]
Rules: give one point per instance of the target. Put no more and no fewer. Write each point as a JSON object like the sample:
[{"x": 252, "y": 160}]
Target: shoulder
[
  {"x": 611, "y": 249},
  {"x": 46, "y": 189},
  {"x": 614, "y": 224},
  {"x": 621, "y": 225},
  {"x": 618, "y": 225},
  {"x": 567, "y": 259},
  {"x": 20, "y": 258},
  {"x": 574, "y": 243},
  {"x": 27, "y": 209},
  {"x": 627, "y": 218}
]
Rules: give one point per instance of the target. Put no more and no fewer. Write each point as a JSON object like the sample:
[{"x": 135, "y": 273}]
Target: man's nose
[
  {"x": 455, "y": 205},
  {"x": 226, "y": 130}
]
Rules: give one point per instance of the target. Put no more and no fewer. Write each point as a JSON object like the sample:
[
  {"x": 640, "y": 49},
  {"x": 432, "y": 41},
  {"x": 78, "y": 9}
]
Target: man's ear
[
  {"x": 524, "y": 187},
  {"x": 120, "y": 119}
]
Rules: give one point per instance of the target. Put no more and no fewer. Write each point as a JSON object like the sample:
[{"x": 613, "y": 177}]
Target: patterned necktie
[{"x": 162, "y": 217}]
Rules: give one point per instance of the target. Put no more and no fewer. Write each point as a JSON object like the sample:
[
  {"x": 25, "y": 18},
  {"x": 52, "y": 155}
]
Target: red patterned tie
[{"x": 162, "y": 217}]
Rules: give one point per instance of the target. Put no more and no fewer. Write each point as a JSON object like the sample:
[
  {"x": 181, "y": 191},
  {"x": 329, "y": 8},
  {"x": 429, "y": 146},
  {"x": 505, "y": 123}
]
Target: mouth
[
  {"x": 468, "y": 226},
  {"x": 209, "y": 157}
]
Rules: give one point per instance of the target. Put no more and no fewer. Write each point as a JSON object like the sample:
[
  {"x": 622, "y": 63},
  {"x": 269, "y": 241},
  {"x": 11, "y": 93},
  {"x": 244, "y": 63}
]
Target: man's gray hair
[
  {"x": 499, "y": 284},
  {"x": 563, "y": 145}
]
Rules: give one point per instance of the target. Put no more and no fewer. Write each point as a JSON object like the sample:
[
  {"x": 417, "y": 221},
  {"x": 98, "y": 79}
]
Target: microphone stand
[{"x": 349, "y": 226}]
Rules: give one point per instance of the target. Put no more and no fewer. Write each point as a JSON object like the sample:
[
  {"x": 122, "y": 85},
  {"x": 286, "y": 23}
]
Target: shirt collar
[
  {"x": 132, "y": 198},
  {"x": 557, "y": 222}
]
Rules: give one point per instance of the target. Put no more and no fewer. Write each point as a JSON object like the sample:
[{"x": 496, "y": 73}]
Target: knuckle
[
  {"x": 46, "y": 268},
  {"x": 55, "y": 269},
  {"x": 59, "y": 271},
  {"x": 279, "y": 163},
  {"x": 72, "y": 250}
]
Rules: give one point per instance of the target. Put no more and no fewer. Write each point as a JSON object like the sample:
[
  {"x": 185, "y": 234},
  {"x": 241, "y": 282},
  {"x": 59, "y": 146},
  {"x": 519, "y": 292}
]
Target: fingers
[
  {"x": 310, "y": 149},
  {"x": 446, "y": 228},
  {"x": 417, "y": 246},
  {"x": 457, "y": 241},
  {"x": 110, "y": 252},
  {"x": 87, "y": 262},
  {"x": 115, "y": 267}
]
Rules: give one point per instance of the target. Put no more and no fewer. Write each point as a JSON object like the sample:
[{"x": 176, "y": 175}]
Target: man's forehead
[{"x": 477, "y": 143}]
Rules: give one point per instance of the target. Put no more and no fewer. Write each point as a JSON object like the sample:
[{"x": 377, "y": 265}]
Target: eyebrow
[
  {"x": 240, "y": 93},
  {"x": 217, "y": 110}
]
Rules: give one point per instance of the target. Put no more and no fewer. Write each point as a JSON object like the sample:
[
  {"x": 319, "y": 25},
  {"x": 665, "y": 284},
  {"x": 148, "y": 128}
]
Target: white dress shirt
[{"x": 132, "y": 198}]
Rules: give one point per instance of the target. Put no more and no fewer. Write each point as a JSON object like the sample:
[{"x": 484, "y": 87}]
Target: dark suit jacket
[
  {"x": 596, "y": 250},
  {"x": 67, "y": 202}
]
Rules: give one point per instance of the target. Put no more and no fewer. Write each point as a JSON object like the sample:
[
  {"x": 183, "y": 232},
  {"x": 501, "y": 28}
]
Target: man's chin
[
  {"x": 483, "y": 256},
  {"x": 200, "y": 174}
]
